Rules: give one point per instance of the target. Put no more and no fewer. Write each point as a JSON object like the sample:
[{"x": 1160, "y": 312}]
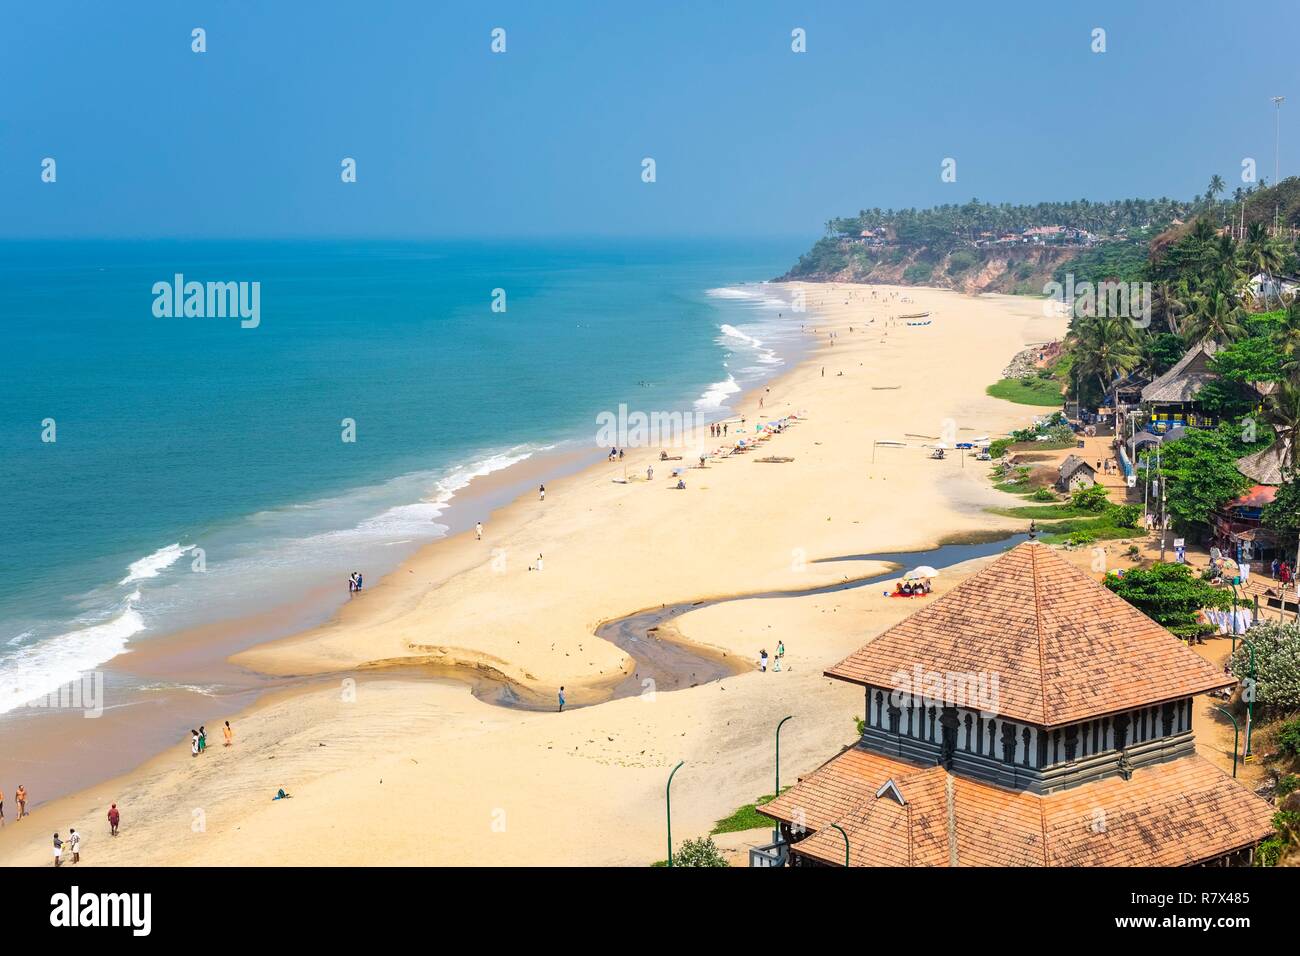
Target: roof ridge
[{"x": 1038, "y": 627}]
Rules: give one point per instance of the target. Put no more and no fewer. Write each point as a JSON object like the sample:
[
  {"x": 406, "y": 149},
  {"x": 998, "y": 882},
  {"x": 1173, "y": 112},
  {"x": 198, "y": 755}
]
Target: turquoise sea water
[{"x": 179, "y": 433}]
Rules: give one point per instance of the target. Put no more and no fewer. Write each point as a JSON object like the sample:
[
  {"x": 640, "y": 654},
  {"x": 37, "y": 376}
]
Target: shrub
[
  {"x": 701, "y": 852},
  {"x": 1288, "y": 739},
  {"x": 1044, "y": 494},
  {"x": 1127, "y": 516},
  {"x": 1170, "y": 595},
  {"x": 1288, "y": 784},
  {"x": 1277, "y": 674},
  {"x": 918, "y": 273},
  {"x": 1269, "y": 852},
  {"x": 1093, "y": 498},
  {"x": 1080, "y": 538}
]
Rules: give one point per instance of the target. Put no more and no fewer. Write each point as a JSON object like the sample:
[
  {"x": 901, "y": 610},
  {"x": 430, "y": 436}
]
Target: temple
[{"x": 1029, "y": 717}]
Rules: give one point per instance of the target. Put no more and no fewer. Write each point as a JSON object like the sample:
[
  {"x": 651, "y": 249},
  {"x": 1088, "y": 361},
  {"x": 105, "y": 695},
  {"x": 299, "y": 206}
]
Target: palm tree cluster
[{"x": 951, "y": 224}]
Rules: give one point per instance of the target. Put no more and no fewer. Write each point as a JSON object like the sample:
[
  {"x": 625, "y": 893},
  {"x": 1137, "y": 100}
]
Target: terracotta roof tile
[
  {"x": 1061, "y": 647},
  {"x": 1169, "y": 814}
]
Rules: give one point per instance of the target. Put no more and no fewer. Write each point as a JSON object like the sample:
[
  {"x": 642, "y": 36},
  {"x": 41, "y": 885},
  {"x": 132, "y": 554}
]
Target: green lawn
[
  {"x": 1038, "y": 391},
  {"x": 747, "y": 817}
]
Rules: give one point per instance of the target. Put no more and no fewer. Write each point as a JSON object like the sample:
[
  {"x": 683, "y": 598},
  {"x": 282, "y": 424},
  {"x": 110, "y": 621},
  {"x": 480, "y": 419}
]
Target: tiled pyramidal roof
[{"x": 1062, "y": 647}]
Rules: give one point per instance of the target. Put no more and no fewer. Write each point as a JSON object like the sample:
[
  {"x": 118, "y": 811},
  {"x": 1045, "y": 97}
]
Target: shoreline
[
  {"x": 344, "y": 643},
  {"x": 198, "y": 665}
]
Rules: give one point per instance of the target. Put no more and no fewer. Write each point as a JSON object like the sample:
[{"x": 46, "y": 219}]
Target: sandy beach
[{"x": 386, "y": 765}]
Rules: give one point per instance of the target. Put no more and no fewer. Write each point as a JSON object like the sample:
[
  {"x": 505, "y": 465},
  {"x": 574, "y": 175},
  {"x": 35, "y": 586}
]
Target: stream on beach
[{"x": 663, "y": 663}]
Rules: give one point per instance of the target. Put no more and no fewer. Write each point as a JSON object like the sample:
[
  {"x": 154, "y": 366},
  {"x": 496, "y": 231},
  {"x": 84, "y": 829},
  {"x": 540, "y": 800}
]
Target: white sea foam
[
  {"x": 154, "y": 564},
  {"x": 40, "y": 669},
  {"x": 717, "y": 393}
]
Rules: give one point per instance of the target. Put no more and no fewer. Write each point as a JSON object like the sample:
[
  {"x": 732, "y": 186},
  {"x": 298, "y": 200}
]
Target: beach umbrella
[{"x": 924, "y": 571}]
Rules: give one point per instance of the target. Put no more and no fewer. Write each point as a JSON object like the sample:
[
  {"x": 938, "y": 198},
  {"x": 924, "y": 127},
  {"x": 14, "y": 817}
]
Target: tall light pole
[
  {"x": 1236, "y": 737},
  {"x": 846, "y": 843},
  {"x": 668, "y": 800},
  {"x": 777, "y": 791},
  {"x": 1277, "y": 146}
]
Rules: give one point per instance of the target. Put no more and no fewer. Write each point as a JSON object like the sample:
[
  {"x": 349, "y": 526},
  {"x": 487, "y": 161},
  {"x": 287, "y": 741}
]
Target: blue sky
[{"x": 246, "y": 139}]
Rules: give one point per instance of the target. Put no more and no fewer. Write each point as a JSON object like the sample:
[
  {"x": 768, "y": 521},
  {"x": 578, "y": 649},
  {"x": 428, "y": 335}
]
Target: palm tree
[
  {"x": 1261, "y": 254},
  {"x": 1282, "y": 411},
  {"x": 1105, "y": 347},
  {"x": 1216, "y": 315},
  {"x": 1288, "y": 341},
  {"x": 1215, "y": 187},
  {"x": 1170, "y": 303}
]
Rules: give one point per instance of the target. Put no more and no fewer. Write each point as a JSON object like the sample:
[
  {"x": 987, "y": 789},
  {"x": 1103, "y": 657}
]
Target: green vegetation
[
  {"x": 1030, "y": 390},
  {"x": 1123, "y": 260},
  {"x": 948, "y": 226},
  {"x": 918, "y": 273},
  {"x": 1288, "y": 743},
  {"x": 1283, "y": 513},
  {"x": 1201, "y": 473},
  {"x": 747, "y": 817},
  {"x": 699, "y": 852},
  {"x": 1169, "y": 594},
  {"x": 1277, "y": 672}
]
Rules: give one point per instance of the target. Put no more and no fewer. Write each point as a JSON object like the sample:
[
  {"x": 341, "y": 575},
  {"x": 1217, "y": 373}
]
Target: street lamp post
[
  {"x": 668, "y": 800},
  {"x": 1250, "y": 698},
  {"x": 1236, "y": 737},
  {"x": 777, "y": 791},
  {"x": 1277, "y": 141},
  {"x": 846, "y": 843}
]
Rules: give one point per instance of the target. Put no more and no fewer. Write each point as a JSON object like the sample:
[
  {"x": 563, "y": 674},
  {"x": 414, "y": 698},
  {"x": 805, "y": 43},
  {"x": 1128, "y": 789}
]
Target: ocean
[{"x": 162, "y": 471}]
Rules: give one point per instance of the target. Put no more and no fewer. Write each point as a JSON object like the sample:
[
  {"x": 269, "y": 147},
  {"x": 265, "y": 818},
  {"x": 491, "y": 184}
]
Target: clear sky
[{"x": 152, "y": 139}]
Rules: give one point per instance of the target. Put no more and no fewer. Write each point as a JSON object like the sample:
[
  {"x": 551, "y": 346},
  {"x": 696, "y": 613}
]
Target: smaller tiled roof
[
  {"x": 1181, "y": 383},
  {"x": 1257, "y": 497},
  {"x": 1073, "y": 463},
  {"x": 1176, "y": 813}
]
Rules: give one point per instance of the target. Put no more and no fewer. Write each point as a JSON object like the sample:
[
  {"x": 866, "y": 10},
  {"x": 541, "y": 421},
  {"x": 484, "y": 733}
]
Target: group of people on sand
[
  {"x": 199, "y": 738},
  {"x": 776, "y": 658},
  {"x": 616, "y": 454},
  {"x": 354, "y": 581},
  {"x": 718, "y": 431},
  {"x": 72, "y": 845},
  {"x": 914, "y": 587}
]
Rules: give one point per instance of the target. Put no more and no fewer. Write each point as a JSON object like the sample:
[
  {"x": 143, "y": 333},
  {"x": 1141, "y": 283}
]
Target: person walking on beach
[
  {"x": 650, "y": 473},
  {"x": 228, "y": 734},
  {"x": 114, "y": 818},
  {"x": 561, "y": 699},
  {"x": 74, "y": 844},
  {"x": 203, "y": 738},
  {"x": 478, "y": 531},
  {"x": 58, "y": 851},
  {"x": 21, "y": 796},
  {"x": 762, "y": 661},
  {"x": 194, "y": 743},
  {"x": 541, "y": 492},
  {"x": 539, "y": 562},
  {"x": 780, "y": 649}
]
